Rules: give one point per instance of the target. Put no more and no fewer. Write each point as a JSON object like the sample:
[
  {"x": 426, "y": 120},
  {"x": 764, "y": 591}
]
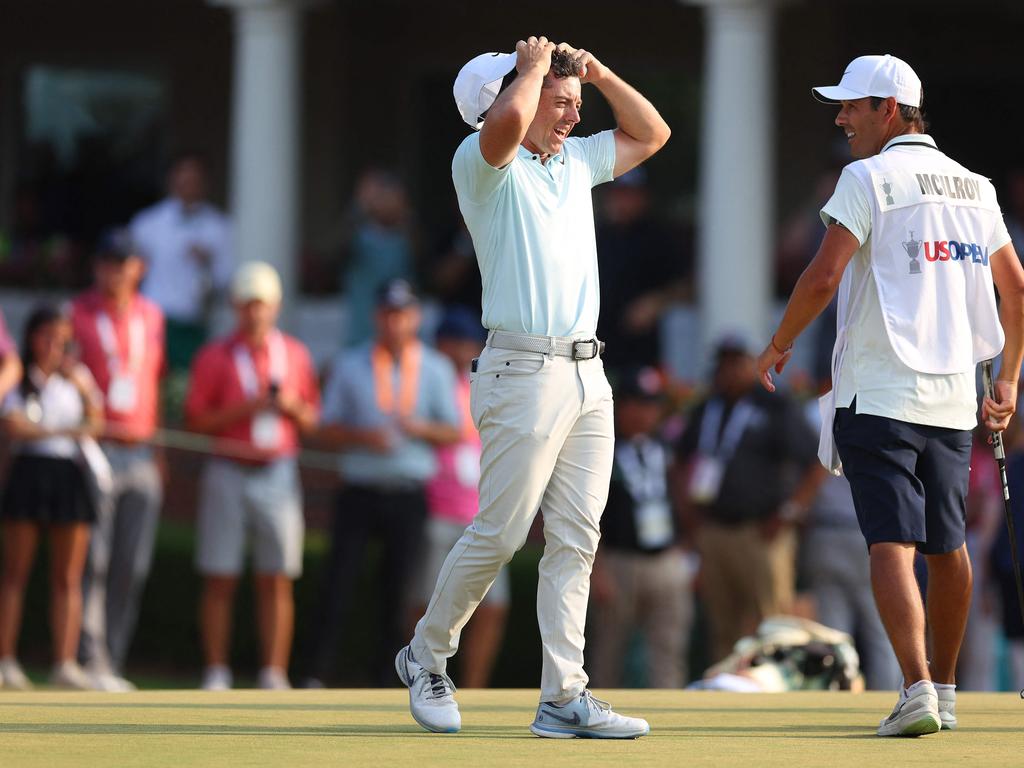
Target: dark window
[{"x": 89, "y": 149}]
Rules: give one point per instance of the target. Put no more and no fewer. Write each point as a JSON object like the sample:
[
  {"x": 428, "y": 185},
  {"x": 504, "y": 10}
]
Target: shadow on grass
[
  {"x": 802, "y": 731},
  {"x": 339, "y": 708},
  {"x": 481, "y": 732},
  {"x": 169, "y": 729}
]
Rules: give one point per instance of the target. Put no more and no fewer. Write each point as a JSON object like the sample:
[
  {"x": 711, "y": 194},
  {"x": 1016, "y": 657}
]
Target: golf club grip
[{"x": 996, "y": 438}]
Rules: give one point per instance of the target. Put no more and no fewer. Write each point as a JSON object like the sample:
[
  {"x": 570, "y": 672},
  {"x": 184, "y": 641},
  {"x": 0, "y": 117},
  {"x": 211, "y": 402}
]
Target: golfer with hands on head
[
  {"x": 539, "y": 395},
  {"x": 913, "y": 243}
]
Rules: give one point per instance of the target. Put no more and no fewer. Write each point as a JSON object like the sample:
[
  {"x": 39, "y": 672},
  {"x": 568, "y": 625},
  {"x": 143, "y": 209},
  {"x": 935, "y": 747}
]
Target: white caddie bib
[{"x": 931, "y": 223}]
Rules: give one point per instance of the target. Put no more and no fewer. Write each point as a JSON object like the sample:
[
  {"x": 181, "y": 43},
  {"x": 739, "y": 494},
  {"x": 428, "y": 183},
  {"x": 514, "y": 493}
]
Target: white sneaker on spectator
[
  {"x": 67, "y": 674},
  {"x": 274, "y": 679},
  {"x": 111, "y": 683},
  {"x": 947, "y": 706},
  {"x": 216, "y": 677},
  {"x": 585, "y": 717},
  {"x": 431, "y": 696},
  {"x": 12, "y": 676},
  {"x": 916, "y": 712},
  {"x": 105, "y": 679}
]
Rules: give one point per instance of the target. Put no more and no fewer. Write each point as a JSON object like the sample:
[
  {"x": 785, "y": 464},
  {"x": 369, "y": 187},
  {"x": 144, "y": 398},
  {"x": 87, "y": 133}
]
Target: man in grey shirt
[{"x": 386, "y": 405}]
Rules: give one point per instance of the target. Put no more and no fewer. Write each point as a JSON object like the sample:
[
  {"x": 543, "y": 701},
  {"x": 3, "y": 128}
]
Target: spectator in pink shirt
[
  {"x": 121, "y": 337},
  {"x": 10, "y": 363},
  {"x": 255, "y": 392}
]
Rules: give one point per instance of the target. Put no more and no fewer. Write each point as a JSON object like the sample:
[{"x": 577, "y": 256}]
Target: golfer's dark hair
[
  {"x": 911, "y": 115},
  {"x": 564, "y": 65}
]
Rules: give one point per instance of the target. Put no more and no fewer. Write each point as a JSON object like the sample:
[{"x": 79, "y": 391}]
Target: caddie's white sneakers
[
  {"x": 916, "y": 713},
  {"x": 585, "y": 717},
  {"x": 431, "y": 696},
  {"x": 947, "y": 706}
]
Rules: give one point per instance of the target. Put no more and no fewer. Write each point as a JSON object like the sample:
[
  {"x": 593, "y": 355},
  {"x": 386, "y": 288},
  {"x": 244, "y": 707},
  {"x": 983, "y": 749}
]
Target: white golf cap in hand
[
  {"x": 478, "y": 84},
  {"x": 880, "y": 76}
]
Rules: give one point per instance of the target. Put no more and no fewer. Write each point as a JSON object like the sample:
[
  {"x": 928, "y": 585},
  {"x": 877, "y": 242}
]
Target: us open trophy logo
[
  {"x": 913, "y": 249},
  {"x": 887, "y": 189}
]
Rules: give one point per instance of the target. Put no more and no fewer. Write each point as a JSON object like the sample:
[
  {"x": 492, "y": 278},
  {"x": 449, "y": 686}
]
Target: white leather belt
[{"x": 574, "y": 349}]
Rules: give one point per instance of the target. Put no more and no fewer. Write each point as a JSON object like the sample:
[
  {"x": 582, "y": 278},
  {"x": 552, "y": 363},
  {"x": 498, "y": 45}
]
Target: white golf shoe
[
  {"x": 431, "y": 696},
  {"x": 916, "y": 713},
  {"x": 947, "y": 707},
  {"x": 585, "y": 717}
]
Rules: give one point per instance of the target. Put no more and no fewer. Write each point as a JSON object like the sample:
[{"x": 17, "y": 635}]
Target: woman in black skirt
[{"x": 56, "y": 405}]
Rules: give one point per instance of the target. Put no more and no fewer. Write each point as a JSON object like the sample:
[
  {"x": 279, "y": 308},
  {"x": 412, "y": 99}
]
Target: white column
[
  {"x": 265, "y": 131},
  {"x": 736, "y": 237}
]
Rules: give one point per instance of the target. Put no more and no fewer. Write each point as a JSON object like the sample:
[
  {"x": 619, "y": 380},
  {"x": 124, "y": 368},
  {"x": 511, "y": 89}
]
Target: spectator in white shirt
[
  {"x": 55, "y": 408},
  {"x": 187, "y": 244}
]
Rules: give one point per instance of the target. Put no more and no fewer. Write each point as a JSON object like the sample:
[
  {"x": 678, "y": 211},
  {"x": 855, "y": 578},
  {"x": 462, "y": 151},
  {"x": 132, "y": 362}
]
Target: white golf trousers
[{"x": 548, "y": 440}]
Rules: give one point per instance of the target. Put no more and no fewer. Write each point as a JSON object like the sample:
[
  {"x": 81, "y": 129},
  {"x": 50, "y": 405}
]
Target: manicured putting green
[{"x": 373, "y": 727}]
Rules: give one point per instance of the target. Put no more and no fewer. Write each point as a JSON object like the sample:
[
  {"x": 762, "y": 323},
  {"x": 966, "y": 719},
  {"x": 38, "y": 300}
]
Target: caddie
[{"x": 914, "y": 241}]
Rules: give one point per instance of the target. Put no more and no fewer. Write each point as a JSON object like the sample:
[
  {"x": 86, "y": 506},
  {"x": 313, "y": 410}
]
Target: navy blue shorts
[{"x": 909, "y": 481}]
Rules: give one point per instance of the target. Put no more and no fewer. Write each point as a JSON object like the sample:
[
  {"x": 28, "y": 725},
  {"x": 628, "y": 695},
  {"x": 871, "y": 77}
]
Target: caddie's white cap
[
  {"x": 478, "y": 83},
  {"x": 256, "y": 281},
  {"x": 881, "y": 76}
]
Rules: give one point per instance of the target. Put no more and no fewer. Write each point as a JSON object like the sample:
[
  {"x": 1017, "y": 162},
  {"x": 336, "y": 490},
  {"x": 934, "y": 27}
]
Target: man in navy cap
[{"x": 387, "y": 405}]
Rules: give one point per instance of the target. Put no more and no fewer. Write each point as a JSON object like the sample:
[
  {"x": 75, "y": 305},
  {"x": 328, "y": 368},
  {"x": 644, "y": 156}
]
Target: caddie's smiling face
[
  {"x": 865, "y": 128},
  {"x": 557, "y": 114}
]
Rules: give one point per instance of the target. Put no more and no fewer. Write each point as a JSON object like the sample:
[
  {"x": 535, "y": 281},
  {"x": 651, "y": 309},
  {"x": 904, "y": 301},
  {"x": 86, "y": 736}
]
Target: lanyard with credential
[
  {"x": 116, "y": 364},
  {"x": 739, "y": 419},
  {"x": 408, "y": 376},
  {"x": 643, "y": 469},
  {"x": 246, "y": 370}
]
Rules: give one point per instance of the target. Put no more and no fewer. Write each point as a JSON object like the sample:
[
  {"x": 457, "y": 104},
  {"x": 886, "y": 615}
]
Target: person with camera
[{"x": 255, "y": 392}]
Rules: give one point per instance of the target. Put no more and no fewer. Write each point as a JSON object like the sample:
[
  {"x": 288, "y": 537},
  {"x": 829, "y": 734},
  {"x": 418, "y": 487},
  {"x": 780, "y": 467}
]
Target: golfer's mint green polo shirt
[{"x": 532, "y": 225}]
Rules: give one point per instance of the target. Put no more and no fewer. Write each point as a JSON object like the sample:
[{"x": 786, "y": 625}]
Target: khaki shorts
[{"x": 239, "y": 503}]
